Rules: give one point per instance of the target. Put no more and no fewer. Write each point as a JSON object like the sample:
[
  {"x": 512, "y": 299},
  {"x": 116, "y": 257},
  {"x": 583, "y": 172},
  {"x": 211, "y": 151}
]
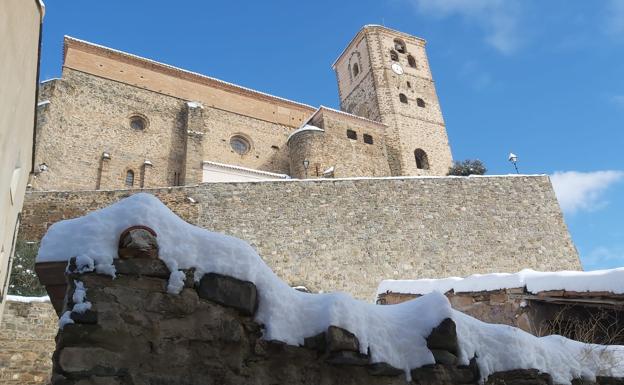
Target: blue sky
[{"x": 544, "y": 79}]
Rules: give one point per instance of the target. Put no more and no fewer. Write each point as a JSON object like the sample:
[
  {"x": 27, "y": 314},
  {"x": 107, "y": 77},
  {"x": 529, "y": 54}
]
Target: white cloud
[
  {"x": 615, "y": 18},
  {"x": 577, "y": 191},
  {"x": 498, "y": 18},
  {"x": 603, "y": 258},
  {"x": 618, "y": 100}
]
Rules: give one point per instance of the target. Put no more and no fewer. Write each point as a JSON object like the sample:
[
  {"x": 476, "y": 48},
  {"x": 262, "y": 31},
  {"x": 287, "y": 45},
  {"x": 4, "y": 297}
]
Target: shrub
[
  {"x": 23, "y": 280},
  {"x": 467, "y": 167}
]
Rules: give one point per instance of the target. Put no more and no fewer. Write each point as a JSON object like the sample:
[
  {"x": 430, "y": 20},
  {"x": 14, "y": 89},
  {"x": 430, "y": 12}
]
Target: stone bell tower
[{"x": 384, "y": 75}]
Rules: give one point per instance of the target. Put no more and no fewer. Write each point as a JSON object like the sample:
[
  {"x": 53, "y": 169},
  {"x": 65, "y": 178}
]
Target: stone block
[
  {"x": 444, "y": 357},
  {"x": 466, "y": 374},
  {"x": 432, "y": 374},
  {"x": 184, "y": 303},
  {"x": 93, "y": 360},
  {"x": 96, "y": 380},
  {"x": 461, "y": 302},
  {"x": 58, "y": 379},
  {"x": 609, "y": 380},
  {"x": 317, "y": 342},
  {"x": 77, "y": 335},
  {"x": 499, "y": 298},
  {"x": 87, "y": 317},
  {"x": 444, "y": 337},
  {"x": 339, "y": 339},
  {"x": 147, "y": 267},
  {"x": 582, "y": 381},
  {"x": 519, "y": 377},
  {"x": 230, "y": 292},
  {"x": 383, "y": 369},
  {"x": 123, "y": 282},
  {"x": 347, "y": 358}
]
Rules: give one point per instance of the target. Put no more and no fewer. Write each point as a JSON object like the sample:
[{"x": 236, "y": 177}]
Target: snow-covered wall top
[
  {"x": 349, "y": 235},
  {"x": 535, "y": 281},
  {"x": 393, "y": 334}
]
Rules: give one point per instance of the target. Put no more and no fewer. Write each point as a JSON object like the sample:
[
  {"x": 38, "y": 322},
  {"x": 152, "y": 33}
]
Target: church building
[{"x": 115, "y": 120}]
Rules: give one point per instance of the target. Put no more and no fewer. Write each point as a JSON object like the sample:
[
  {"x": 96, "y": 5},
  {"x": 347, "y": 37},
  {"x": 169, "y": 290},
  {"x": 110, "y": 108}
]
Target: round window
[
  {"x": 240, "y": 145},
  {"x": 138, "y": 123}
]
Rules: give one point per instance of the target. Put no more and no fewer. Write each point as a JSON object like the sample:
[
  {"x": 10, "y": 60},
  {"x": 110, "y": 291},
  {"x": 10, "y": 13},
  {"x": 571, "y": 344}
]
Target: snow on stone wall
[{"x": 611, "y": 280}]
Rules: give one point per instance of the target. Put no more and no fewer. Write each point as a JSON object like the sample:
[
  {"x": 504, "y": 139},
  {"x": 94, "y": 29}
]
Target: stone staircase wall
[{"x": 27, "y": 342}]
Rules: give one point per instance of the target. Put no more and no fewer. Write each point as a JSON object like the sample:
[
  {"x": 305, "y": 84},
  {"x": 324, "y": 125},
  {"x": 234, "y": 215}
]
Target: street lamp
[
  {"x": 306, "y": 164},
  {"x": 513, "y": 158}
]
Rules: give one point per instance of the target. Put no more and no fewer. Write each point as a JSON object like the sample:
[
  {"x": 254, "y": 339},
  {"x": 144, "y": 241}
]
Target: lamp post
[
  {"x": 513, "y": 158},
  {"x": 306, "y": 164}
]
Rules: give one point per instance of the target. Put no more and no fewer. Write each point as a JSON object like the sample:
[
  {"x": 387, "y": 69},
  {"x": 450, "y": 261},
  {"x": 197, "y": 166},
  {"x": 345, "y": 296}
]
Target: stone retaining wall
[
  {"x": 349, "y": 234},
  {"x": 26, "y": 342}
]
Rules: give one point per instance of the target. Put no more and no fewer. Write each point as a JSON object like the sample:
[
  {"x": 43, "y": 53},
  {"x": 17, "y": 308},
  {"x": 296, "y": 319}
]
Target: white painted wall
[
  {"x": 215, "y": 172},
  {"x": 19, "y": 41}
]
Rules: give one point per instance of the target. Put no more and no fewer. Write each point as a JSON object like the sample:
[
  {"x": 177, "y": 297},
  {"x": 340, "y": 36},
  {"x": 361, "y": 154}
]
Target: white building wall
[
  {"x": 19, "y": 57},
  {"x": 216, "y": 172}
]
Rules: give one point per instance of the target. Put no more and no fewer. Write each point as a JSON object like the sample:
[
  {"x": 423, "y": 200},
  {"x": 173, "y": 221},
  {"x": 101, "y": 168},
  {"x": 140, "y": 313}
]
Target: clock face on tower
[{"x": 396, "y": 67}]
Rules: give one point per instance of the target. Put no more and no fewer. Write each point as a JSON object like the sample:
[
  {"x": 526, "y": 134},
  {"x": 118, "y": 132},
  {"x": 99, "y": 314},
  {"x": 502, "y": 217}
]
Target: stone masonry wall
[
  {"x": 349, "y": 234},
  {"x": 27, "y": 342},
  {"x": 332, "y": 148},
  {"x": 416, "y": 127},
  {"x": 410, "y": 126},
  {"x": 136, "y": 333},
  {"x": 88, "y": 115}
]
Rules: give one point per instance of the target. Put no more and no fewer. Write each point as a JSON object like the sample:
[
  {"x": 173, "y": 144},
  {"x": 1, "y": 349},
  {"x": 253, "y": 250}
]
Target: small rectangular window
[
  {"x": 351, "y": 134},
  {"x": 368, "y": 139}
]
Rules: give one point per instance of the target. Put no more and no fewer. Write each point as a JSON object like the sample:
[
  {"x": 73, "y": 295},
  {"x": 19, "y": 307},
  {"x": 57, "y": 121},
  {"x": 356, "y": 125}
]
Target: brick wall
[
  {"x": 27, "y": 334},
  {"x": 349, "y": 234}
]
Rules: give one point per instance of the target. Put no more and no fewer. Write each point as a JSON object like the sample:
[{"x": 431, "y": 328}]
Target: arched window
[
  {"x": 420, "y": 102},
  {"x": 399, "y": 45},
  {"x": 129, "y": 178},
  {"x": 356, "y": 69},
  {"x": 422, "y": 162},
  {"x": 403, "y": 98},
  {"x": 411, "y": 61},
  {"x": 394, "y": 56}
]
